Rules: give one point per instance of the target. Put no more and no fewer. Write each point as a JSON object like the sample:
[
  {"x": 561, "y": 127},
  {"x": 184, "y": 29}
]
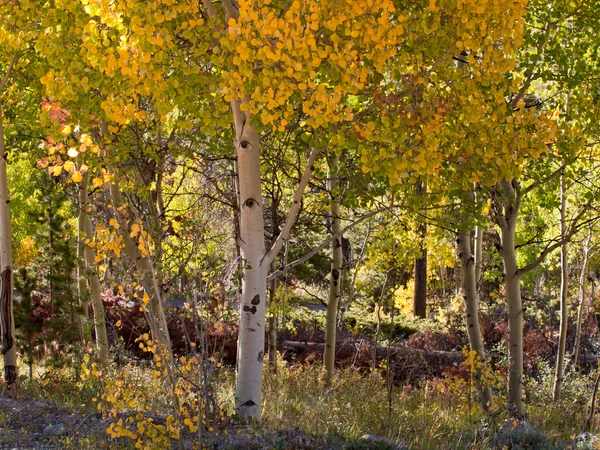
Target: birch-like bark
[
  {"x": 157, "y": 318},
  {"x": 251, "y": 337},
  {"x": 94, "y": 280},
  {"x": 272, "y": 351},
  {"x": 7, "y": 322},
  {"x": 255, "y": 261},
  {"x": 582, "y": 277},
  {"x": 81, "y": 272},
  {"x": 564, "y": 285},
  {"x": 507, "y": 221},
  {"x": 478, "y": 254},
  {"x": 352, "y": 292},
  {"x": 471, "y": 299},
  {"x": 336, "y": 270}
]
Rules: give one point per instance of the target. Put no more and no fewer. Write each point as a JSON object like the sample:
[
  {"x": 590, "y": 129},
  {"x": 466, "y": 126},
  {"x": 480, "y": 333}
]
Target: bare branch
[
  {"x": 573, "y": 228},
  {"x": 210, "y": 9},
  {"x": 293, "y": 212},
  {"x": 8, "y": 71},
  {"x": 531, "y": 71},
  {"x": 325, "y": 243}
]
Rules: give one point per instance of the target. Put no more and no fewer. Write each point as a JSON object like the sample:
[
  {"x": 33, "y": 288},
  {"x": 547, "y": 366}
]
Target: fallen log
[{"x": 395, "y": 350}]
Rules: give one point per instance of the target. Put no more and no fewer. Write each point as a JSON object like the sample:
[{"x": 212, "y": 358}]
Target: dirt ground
[{"x": 39, "y": 424}]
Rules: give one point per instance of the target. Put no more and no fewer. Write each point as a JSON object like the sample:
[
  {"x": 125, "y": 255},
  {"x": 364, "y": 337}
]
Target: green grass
[{"x": 435, "y": 414}]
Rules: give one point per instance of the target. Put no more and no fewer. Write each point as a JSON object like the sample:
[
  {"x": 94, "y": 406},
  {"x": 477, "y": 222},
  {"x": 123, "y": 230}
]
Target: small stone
[{"x": 55, "y": 430}]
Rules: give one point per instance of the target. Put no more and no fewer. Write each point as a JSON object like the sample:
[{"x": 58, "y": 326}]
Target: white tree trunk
[
  {"x": 471, "y": 299},
  {"x": 507, "y": 221},
  {"x": 564, "y": 286},
  {"x": 81, "y": 260},
  {"x": 582, "y": 277},
  {"x": 478, "y": 255},
  {"x": 251, "y": 337},
  {"x": 94, "y": 280},
  {"x": 7, "y": 322},
  {"x": 336, "y": 270}
]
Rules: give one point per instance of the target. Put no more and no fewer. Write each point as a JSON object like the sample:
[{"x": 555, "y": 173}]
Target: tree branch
[
  {"x": 325, "y": 243},
  {"x": 531, "y": 74},
  {"x": 8, "y": 71},
  {"x": 535, "y": 184},
  {"x": 293, "y": 212},
  {"x": 573, "y": 228}
]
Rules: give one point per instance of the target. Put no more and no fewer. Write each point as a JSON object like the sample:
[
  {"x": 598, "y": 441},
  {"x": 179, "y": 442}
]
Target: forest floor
[
  {"x": 40, "y": 424},
  {"x": 27, "y": 423}
]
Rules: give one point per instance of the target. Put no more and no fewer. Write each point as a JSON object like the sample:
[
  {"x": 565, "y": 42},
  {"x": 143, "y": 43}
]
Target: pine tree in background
[
  {"x": 28, "y": 324},
  {"x": 58, "y": 263}
]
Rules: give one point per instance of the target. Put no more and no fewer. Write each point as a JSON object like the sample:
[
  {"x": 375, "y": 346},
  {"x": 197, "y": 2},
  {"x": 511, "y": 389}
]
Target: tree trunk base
[{"x": 10, "y": 375}]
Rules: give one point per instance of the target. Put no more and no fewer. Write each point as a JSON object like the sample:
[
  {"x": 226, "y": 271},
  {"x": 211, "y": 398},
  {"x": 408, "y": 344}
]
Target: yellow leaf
[
  {"x": 113, "y": 223},
  {"x": 77, "y": 177},
  {"x": 65, "y": 130},
  {"x": 69, "y": 166},
  {"x": 97, "y": 182},
  {"x": 57, "y": 171},
  {"x": 118, "y": 324}
]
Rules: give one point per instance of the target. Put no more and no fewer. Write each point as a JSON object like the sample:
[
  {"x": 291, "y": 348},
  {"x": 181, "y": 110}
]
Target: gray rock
[
  {"x": 521, "y": 434},
  {"x": 55, "y": 430},
  {"x": 585, "y": 441}
]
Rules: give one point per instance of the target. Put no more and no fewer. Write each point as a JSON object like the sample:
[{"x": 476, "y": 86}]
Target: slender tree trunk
[
  {"x": 582, "y": 277},
  {"x": 7, "y": 322},
  {"x": 272, "y": 350},
  {"x": 478, "y": 255},
  {"x": 81, "y": 260},
  {"x": 352, "y": 292},
  {"x": 251, "y": 338},
  {"x": 420, "y": 294},
  {"x": 157, "y": 318},
  {"x": 379, "y": 306},
  {"x": 564, "y": 286},
  {"x": 507, "y": 221},
  {"x": 336, "y": 270},
  {"x": 94, "y": 280},
  {"x": 471, "y": 298}
]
